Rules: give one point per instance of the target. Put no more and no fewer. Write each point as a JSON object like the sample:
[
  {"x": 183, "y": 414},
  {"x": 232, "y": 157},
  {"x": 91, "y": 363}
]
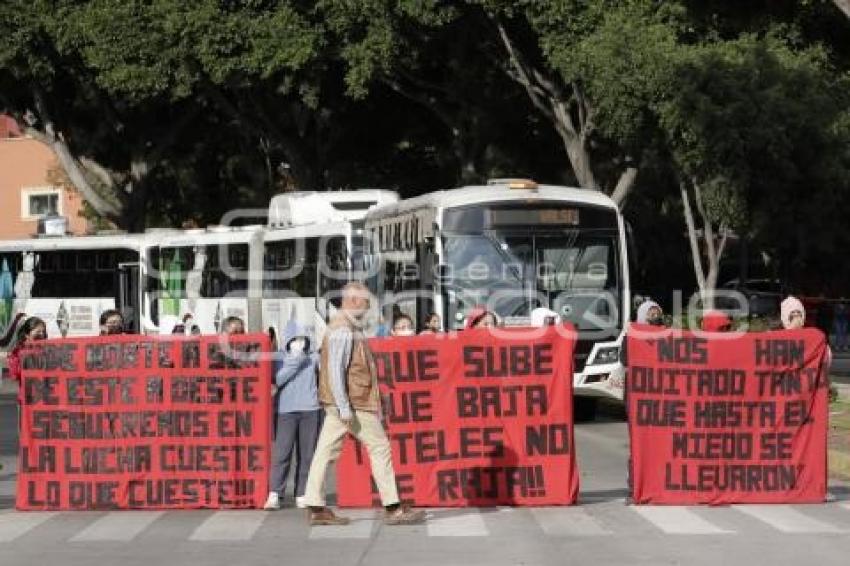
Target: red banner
[
  {"x": 721, "y": 418},
  {"x": 473, "y": 419},
  {"x": 133, "y": 422}
]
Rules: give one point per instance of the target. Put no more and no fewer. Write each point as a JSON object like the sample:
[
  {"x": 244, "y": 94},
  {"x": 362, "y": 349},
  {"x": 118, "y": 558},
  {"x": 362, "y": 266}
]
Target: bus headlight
[{"x": 606, "y": 356}]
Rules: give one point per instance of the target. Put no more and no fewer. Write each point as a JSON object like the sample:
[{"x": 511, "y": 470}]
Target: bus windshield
[{"x": 574, "y": 272}]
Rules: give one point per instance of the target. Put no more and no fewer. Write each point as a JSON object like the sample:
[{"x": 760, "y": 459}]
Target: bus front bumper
[{"x": 601, "y": 381}]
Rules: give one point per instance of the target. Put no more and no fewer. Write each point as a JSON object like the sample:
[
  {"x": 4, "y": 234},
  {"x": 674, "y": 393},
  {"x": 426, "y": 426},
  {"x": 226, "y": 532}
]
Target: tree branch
[
  {"x": 95, "y": 169},
  {"x": 843, "y": 5},
  {"x": 522, "y": 75},
  {"x": 422, "y": 99},
  {"x": 724, "y": 236},
  {"x": 692, "y": 236},
  {"x": 624, "y": 186},
  {"x": 424, "y": 85},
  {"x": 707, "y": 229},
  {"x": 69, "y": 162}
]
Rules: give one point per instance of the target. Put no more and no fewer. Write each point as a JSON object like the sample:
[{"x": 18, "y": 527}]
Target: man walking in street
[{"x": 348, "y": 391}]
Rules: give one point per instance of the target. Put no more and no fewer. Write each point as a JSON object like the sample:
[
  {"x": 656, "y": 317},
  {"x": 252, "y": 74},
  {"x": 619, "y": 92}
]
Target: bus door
[
  {"x": 427, "y": 262},
  {"x": 127, "y": 301}
]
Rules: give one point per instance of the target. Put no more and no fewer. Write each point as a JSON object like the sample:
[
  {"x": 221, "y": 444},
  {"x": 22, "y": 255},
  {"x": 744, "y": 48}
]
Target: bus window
[
  {"x": 334, "y": 273},
  {"x": 79, "y": 274},
  {"x": 229, "y": 279},
  {"x": 291, "y": 268}
]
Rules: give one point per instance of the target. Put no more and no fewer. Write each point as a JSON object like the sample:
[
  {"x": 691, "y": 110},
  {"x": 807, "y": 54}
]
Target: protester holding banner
[
  {"x": 432, "y": 324},
  {"x": 403, "y": 326},
  {"x": 716, "y": 321},
  {"x": 298, "y": 414},
  {"x": 480, "y": 317},
  {"x": 111, "y": 323},
  {"x": 32, "y": 330},
  {"x": 348, "y": 390},
  {"x": 233, "y": 325},
  {"x": 793, "y": 316},
  {"x": 792, "y": 313},
  {"x": 649, "y": 312}
]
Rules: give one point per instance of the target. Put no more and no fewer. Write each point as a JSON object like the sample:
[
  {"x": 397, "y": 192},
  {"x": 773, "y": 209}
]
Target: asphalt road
[{"x": 601, "y": 530}]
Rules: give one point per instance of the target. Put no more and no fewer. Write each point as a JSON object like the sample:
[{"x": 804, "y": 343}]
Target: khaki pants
[{"x": 367, "y": 429}]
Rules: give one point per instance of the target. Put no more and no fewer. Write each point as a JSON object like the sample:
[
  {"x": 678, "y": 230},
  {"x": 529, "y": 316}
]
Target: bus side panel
[{"x": 82, "y": 315}]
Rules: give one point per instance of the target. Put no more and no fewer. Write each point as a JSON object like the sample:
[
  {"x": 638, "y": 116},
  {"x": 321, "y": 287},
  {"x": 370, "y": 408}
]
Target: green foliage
[
  {"x": 165, "y": 47},
  {"x": 740, "y": 114},
  {"x": 750, "y": 99}
]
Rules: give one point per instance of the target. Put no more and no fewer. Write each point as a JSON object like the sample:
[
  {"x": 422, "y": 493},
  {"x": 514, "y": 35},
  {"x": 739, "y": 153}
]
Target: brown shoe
[
  {"x": 325, "y": 516},
  {"x": 404, "y": 515}
]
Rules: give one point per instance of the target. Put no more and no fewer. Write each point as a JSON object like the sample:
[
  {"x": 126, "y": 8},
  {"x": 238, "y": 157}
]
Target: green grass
[{"x": 839, "y": 439}]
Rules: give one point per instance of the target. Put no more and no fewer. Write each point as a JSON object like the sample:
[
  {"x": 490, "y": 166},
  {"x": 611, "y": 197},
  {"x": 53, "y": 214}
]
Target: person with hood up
[
  {"x": 793, "y": 315},
  {"x": 298, "y": 415},
  {"x": 649, "y": 312},
  {"x": 716, "y": 321}
]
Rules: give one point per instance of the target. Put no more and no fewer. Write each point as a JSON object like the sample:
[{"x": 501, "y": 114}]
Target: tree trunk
[
  {"x": 843, "y": 5},
  {"x": 579, "y": 158},
  {"x": 711, "y": 282},
  {"x": 568, "y": 111},
  {"x": 624, "y": 187},
  {"x": 73, "y": 165},
  {"x": 707, "y": 274},
  {"x": 692, "y": 237}
]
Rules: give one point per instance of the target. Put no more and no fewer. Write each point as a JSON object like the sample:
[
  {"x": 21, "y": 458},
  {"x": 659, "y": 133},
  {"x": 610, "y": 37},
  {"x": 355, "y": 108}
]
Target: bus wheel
[{"x": 584, "y": 409}]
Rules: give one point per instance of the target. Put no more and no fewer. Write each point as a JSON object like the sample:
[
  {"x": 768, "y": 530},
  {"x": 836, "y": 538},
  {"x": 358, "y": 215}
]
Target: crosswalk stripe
[
  {"x": 787, "y": 519},
  {"x": 567, "y": 521},
  {"x": 457, "y": 523},
  {"x": 14, "y": 525},
  {"x": 229, "y": 525},
  {"x": 678, "y": 520},
  {"x": 118, "y": 526},
  {"x": 361, "y": 525}
]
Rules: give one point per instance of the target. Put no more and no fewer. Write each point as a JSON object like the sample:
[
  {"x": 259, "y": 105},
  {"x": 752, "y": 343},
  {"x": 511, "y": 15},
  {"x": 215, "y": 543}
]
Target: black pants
[{"x": 300, "y": 426}]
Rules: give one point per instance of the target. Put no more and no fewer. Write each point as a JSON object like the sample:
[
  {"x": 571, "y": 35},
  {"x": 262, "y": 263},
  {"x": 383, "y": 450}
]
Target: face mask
[
  {"x": 404, "y": 332},
  {"x": 297, "y": 346},
  {"x": 656, "y": 321}
]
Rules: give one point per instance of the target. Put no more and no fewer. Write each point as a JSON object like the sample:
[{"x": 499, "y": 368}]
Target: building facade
[{"x": 26, "y": 193}]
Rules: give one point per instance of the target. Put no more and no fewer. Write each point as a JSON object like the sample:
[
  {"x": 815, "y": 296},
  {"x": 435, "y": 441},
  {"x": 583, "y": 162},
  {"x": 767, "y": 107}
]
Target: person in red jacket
[{"x": 33, "y": 329}]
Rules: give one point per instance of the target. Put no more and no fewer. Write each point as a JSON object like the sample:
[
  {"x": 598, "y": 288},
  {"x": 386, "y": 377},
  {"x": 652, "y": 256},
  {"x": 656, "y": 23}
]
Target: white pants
[{"x": 367, "y": 428}]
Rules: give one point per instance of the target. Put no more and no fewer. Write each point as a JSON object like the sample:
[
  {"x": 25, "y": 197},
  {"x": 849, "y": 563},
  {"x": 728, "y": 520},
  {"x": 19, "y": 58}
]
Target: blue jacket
[{"x": 296, "y": 374}]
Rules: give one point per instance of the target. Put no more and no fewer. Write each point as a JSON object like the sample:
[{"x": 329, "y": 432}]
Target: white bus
[
  {"x": 513, "y": 246},
  {"x": 70, "y": 281},
  {"x": 266, "y": 275},
  {"x": 313, "y": 243},
  {"x": 289, "y": 268},
  {"x": 213, "y": 267}
]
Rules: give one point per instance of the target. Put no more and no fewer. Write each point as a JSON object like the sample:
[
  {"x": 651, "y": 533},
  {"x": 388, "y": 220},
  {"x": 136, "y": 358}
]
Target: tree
[
  {"x": 750, "y": 123},
  {"x": 86, "y": 78},
  {"x": 591, "y": 68}
]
